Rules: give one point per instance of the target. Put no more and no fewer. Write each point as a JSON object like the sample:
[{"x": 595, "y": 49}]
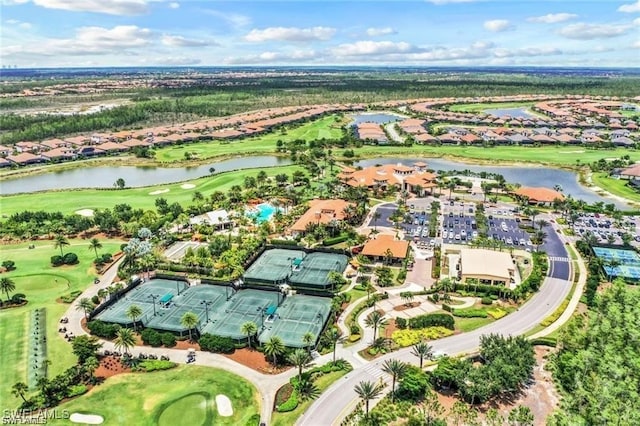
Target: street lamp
[
  {"x": 154, "y": 297},
  {"x": 206, "y": 304}
]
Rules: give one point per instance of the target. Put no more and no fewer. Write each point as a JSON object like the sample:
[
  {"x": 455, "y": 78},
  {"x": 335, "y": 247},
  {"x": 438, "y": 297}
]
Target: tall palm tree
[
  {"x": 189, "y": 320},
  {"x": 133, "y": 313},
  {"x": 7, "y": 285},
  {"x": 95, "y": 244},
  {"x": 249, "y": 328},
  {"x": 376, "y": 215},
  {"x": 300, "y": 359},
  {"x": 375, "y": 320},
  {"x": 274, "y": 347},
  {"x": 334, "y": 336},
  {"x": 541, "y": 223},
  {"x": 308, "y": 339},
  {"x": 90, "y": 366},
  {"x": 396, "y": 369},
  {"x": 423, "y": 351},
  {"x": 19, "y": 389},
  {"x": 124, "y": 340},
  {"x": 85, "y": 304},
  {"x": 367, "y": 391},
  {"x": 59, "y": 242}
]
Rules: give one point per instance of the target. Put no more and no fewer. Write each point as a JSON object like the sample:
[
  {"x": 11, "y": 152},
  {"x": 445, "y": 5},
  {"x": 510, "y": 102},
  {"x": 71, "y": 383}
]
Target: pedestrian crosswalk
[
  {"x": 559, "y": 259},
  {"x": 374, "y": 370}
]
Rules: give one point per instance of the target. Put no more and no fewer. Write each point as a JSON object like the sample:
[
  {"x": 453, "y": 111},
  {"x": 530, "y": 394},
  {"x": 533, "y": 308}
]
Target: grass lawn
[
  {"x": 69, "y": 201},
  {"x": 42, "y": 284},
  {"x": 617, "y": 187},
  {"x": 488, "y": 105},
  {"x": 290, "y": 418},
  {"x": 183, "y": 395},
  {"x": 329, "y": 127},
  {"x": 469, "y": 324},
  {"x": 561, "y": 156}
]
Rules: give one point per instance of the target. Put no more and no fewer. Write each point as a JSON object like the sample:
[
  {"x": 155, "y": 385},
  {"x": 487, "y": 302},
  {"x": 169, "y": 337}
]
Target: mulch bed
[
  {"x": 110, "y": 366},
  {"x": 404, "y": 307},
  {"x": 255, "y": 360}
]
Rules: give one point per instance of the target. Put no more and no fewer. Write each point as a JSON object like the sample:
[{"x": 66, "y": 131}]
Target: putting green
[{"x": 197, "y": 406}]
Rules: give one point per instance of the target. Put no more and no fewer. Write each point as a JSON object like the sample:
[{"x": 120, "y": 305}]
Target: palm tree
[
  {"x": 189, "y": 320},
  {"x": 249, "y": 328},
  {"x": 300, "y": 359},
  {"x": 375, "y": 320},
  {"x": 19, "y": 389},
  {"x": 367, "y": 391},
  {"x": 59, "y": 242},
  {"x": 334, "y": 336},
  {"x": 447, "y": 285},
  {"x": 308, "y": 339},
  {"x": 274, "y": 347},
  {"x": 90, "y": 365},
  {"x": 7, "y": 285},
  {"x": 376, "y": 215},
  {"x": 85, "y": 304},
  {"x": 396, "y": 369},
  {"x": 538, "y": 238},
  {"x": 95, "y": 244},
  {"x": 423, "y": 351},
  {"x": 133, "y": 313},
  {"x": 541, "y": 223},
  {"x": 124, "y": 340}
]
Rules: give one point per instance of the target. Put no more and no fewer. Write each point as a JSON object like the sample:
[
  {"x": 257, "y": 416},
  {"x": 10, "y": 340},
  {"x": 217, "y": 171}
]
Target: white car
[
  {"x": 450, "y": 235},
  {"x": 475, "y": 234}
]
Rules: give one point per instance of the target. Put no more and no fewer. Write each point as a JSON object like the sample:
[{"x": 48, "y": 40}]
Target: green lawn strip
[
  {"x": 68, "y": 201},
  {"x": 326, "y": 127},
  {"x": 36, "y": 278},
  {"x": 356, "y": 293},
  {"x": 480, "y": 107},
  {"x": 140, "y": 398},
  {"x": 564, "y": 156},
  {"x": 290, "y": 418},
  {"x": 469, "y": 324},
  {"x": 617, "y": 187},
  {"x": 13, "y": 355}
]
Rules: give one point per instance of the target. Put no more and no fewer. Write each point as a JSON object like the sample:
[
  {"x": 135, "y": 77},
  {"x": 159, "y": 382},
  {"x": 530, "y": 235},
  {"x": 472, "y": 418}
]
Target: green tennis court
[{"x": 295, "y": 267}]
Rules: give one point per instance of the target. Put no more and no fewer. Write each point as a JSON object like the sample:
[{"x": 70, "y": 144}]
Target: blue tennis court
[{"x": 620, "y": 263}]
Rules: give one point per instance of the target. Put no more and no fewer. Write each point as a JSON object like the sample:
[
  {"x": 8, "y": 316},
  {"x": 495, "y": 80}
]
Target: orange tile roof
[
  {"x": 539, "y": 194},
  {"x": 321, "y": 211},
  {"x": 380, "y": 245}
]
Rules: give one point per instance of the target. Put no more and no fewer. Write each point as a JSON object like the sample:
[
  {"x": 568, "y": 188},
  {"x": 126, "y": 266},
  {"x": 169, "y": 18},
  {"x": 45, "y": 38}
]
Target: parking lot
[{"x": 605, "y": 230}]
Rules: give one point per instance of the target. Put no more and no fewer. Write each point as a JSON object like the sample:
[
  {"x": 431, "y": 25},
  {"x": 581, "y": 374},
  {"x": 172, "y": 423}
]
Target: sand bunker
[
  {"x": 224, "y": 406},
  {"x": 187, "y": 186},
  {"x": 88, "y": 419},
  {"x": 159, "y": 191},
  {"x": 85, "y": 212},
  {"x": 580, "y": 151}
]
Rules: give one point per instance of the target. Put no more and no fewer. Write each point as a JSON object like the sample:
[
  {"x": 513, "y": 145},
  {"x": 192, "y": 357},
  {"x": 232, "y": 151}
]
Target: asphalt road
[{"x": 340, "y": 398}]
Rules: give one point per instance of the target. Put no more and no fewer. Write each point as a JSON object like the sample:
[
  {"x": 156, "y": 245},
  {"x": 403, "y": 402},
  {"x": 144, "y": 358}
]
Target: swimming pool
[{"x": 263, "y": 212}]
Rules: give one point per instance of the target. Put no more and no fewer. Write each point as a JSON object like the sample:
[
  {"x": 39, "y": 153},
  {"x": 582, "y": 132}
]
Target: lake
[
  {"x": 510, "y": 112},
  {"x": 526, "y": 176},
  {"x": 134, "y": 176},
  {"x": 380, "y": 118}
]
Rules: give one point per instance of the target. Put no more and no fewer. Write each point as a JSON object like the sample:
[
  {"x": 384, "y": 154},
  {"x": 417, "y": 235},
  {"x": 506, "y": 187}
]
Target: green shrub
[
  {"x": 493, "y": 297},
  {"x": 18, "y": 298},
  {"x": 69, "y": 298},
  {"x": 335, "y": 240},
  {"x": 401, "y": 323},
  {"x": 211, "y": 343},
  {"x": 95, "y": 300},
  {"x": 75, "y": 390},
  {"x": 290, "y": 404},
  {"x": 284, "y": 242},
  {"x": 151, "y": 337},
  {"x": 253, "y": 420},
  {"x": 432, "y": 320},
  {"x": 103, "y": 329},
  {"x": 470, "y": 313},
  {"x": 446, "y": 307},
  {"x": 70, "y": 259},
  {"x": 57, "y": 260},
  {"x": 168, "y": 340},
  {"x": 486, "y": 301},
  {"x": 154, "y": 365}
]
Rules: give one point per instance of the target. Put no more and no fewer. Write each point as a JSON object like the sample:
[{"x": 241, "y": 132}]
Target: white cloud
[
  {"x": 290, "y": 34},
  {"x": 234, "y": 19},
  {"x": 374, "y": 32},
  {"x": 271, "y": 57},
  {"x": 636, "y": 44},
  {"x": 584, "y": 31},
  {"x": 497, "y": 25},
  {"x": 552, "y": 18},
  {"x": 361, "y": 48},
  {"x": 630, "y": 8},
  {"x": 527, "y": 51},
  {"x": 88, "y": 41},
  {"x": 174, "y": 60},
  {"x": 12, "y": 2},
  {"x": 20, "y": 24},
  {"x": 111, "y": 7},
  {"x": 179, "y": 41},
  {"x": 174, "y": 5},
  {"x": 636, "y": 22}
]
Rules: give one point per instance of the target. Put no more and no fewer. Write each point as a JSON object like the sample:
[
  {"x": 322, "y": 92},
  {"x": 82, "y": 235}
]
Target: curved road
[{"x": 337, "y": 401}]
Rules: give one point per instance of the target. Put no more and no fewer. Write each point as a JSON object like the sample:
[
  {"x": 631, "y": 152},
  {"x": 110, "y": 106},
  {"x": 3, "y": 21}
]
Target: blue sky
[{"x": 49, "y": 33}]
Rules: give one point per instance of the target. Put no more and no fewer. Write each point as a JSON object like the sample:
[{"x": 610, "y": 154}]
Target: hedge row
[
  {"x": 432, "y": 320},
  {"x": 470, "y": 313},
  {"x": 335, "y": 240},
  {"x": 153, "y": 338},
  {"x": 103, "y": 329}
]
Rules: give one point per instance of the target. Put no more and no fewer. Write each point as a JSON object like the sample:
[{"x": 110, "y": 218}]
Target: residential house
[
  {"x": 60, "y": 154},
  {"x": 25, "y": 158}
]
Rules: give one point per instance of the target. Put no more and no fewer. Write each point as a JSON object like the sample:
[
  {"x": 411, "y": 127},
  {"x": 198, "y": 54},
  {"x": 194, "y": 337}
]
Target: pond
[
  {"x": 105, "y": 176},
  {"x": 526, "y": 176},
  {"x": 374, "y": 117},
  {"x": 510, "y": 113}
]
